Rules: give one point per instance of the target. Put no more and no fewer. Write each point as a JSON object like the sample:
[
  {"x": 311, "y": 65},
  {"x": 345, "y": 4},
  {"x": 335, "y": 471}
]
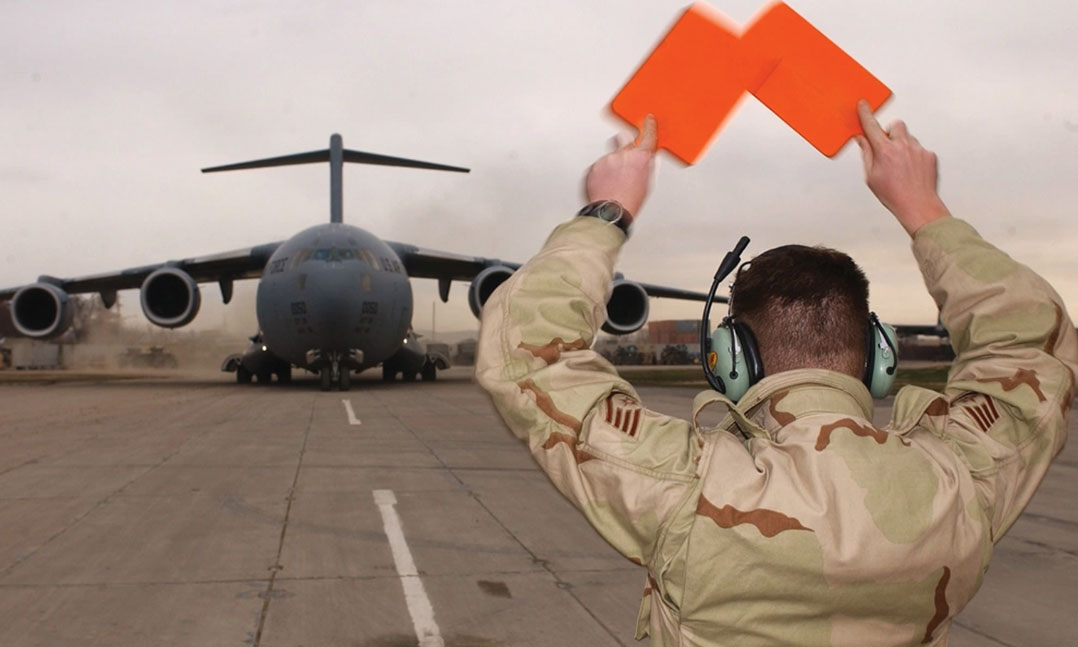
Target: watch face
[{"x": 609, "y": 211}]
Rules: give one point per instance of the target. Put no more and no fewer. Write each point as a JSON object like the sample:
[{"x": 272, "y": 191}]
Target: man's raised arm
[{"x": 1016, "y": 351}]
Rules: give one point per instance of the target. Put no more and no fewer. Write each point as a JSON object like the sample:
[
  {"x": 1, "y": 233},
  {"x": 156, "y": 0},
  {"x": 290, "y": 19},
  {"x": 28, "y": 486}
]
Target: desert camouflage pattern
[{"x": 789, "y": 519}]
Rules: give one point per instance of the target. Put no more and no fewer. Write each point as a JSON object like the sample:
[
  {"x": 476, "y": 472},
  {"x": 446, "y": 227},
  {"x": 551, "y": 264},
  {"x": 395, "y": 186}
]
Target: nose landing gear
[
  {"x": 336, "y": 369},
  {"x": 335, "y": 373}
]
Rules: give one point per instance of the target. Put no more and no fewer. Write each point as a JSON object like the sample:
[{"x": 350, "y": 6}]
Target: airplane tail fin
[{"x": 336, "y": 155}]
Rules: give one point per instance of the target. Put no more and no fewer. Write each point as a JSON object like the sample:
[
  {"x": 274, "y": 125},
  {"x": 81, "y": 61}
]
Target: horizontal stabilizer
[
  {"x": 336, "y": 155},
  {"x": 357, "y": 157},
  {"x": 284, "y": 160}
]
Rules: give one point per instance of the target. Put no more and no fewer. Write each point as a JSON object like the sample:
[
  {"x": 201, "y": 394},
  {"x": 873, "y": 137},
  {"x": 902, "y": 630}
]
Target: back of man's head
[{"x": 806, "y": 306}]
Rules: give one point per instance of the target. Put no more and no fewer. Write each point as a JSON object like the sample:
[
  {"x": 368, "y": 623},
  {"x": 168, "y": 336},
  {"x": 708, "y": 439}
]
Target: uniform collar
[{"x": 778, "y": 400}]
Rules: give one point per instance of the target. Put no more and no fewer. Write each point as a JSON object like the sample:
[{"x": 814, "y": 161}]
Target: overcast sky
[{"x": 109, "y": 109}]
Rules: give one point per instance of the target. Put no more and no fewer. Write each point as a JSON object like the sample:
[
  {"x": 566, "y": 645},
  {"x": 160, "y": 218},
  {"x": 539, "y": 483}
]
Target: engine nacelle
[
  {"x": 41, "y": 311},
  {"x": 484, "y": 284},
  {"x": 626, "y": 309},
  {"x": 170, "y": 297}
]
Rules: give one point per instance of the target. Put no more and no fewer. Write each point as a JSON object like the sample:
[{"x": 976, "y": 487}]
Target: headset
[{"x": 730, "y": 356}]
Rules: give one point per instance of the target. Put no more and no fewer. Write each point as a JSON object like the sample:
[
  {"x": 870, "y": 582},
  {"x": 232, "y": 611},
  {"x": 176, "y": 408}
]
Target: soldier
[{"x": 794, "y": 521}]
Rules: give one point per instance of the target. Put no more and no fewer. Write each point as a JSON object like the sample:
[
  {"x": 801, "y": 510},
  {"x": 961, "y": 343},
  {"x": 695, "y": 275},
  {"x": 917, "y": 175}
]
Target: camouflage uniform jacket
[{"x": 794, "y": 521}]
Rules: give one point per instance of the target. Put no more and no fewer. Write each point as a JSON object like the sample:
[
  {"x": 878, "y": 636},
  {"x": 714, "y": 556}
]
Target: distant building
[
  {"x": 674, "y": 342},
  {"x": 925, "y": 348},
  {"x": 465, "y": 353},
  {"x": 674, "y": 332},
  {"x": 33, "y": 354}
]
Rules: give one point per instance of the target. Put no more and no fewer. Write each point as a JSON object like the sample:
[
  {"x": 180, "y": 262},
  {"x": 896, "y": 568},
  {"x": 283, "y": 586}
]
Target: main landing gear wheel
[
  {"x": 430, "y": 372},
  {"x": 327, "y": 377},
  {"x": 388, "y": 374},
  {"x": 344, "y": 380},
  {"x": 243, "y": 376}
]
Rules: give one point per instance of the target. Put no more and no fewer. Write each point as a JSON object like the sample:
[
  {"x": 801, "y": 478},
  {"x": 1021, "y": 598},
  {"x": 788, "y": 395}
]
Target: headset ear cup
[
  {"x": 736, "y": 359},
  {"x": 728, "y": 366},
  {"x": 881, "y": 357},
  {"x": 750, "y": 351}
]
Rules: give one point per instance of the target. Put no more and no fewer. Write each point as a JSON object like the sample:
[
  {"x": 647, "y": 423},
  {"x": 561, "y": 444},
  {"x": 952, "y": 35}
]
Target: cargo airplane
[{"x": 333, "y": 299}]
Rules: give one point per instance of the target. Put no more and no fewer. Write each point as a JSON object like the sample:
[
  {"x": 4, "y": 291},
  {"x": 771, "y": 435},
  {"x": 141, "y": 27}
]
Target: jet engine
[
  {"x": 626, "y": 309},
  {"x": 170, "y": 297},
  {"x": 41, "y": 311},
  {"x": 484, "y": 284}
]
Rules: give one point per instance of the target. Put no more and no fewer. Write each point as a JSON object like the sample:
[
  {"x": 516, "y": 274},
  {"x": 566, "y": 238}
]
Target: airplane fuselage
[{"x": 333, "y": 289}]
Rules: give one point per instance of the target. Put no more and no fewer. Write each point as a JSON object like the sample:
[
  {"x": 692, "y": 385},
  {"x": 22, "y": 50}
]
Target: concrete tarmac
[{"x": 187, "y": 510}]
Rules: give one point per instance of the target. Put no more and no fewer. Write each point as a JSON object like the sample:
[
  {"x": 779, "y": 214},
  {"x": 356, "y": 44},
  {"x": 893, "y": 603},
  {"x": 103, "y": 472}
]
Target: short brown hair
[{"x": 806, "y": 306}]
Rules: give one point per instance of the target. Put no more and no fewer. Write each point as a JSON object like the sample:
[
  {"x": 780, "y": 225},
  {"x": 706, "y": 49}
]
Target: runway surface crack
[
  {"x": 267, "y": 595},
  {"x": 995, "y": 641}
]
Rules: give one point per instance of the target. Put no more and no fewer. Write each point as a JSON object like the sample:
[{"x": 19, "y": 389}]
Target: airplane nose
[{"x": 334, "y": 303}]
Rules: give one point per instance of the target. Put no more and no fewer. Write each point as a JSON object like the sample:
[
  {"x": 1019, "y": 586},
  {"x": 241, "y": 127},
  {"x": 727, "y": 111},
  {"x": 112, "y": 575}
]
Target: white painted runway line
[
  {"x": 426, "y": 630},
  {"x": 352, "y": 419}
]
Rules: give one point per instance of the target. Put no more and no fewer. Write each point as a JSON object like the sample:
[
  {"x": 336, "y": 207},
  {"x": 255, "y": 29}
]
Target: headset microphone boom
[{"x": 728, "y": 264}]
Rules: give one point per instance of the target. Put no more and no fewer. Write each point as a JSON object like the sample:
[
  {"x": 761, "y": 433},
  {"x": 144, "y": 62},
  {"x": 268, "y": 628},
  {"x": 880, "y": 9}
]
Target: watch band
[{"x": 609, "y": 211}]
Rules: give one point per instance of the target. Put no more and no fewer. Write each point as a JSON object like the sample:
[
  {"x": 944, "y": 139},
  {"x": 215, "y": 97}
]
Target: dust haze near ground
[
  {"x": 101, "y": 336},
  {"x": 102, "y": 339}
]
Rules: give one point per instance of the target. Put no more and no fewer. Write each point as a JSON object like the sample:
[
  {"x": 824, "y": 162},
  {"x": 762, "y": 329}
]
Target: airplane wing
[
  {"x": 173, "y": 299},
  {"x": 423, "y": 263},
  {"x": 446, "y": 266},
  {"x": 677, "y": 293},
  {"x": 237, "y": 264},
  {"x": 248, "y": 262},
  {"x": 928, "y": 331}
]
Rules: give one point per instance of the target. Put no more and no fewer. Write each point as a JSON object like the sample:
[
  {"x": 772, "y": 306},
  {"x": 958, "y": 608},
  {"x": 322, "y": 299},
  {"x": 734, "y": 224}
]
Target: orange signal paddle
[{"x": 695, "y": 77}]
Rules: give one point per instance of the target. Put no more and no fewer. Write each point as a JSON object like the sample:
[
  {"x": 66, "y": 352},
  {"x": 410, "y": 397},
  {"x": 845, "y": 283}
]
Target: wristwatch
[{"x": 609, "y": 211}]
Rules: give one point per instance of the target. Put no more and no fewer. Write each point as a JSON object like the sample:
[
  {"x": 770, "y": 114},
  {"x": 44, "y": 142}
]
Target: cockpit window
[
  {"x": 301, "y": 257},
  {"x": 367, "y": 257},
  {"x": 332, "y": 254}
]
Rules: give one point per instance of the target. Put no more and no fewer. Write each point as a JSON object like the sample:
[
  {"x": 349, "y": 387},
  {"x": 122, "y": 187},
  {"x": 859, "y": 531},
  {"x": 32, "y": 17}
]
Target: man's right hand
[
  {"x": 900, "y": 172},
  {"x": 625, "y": 174}
]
